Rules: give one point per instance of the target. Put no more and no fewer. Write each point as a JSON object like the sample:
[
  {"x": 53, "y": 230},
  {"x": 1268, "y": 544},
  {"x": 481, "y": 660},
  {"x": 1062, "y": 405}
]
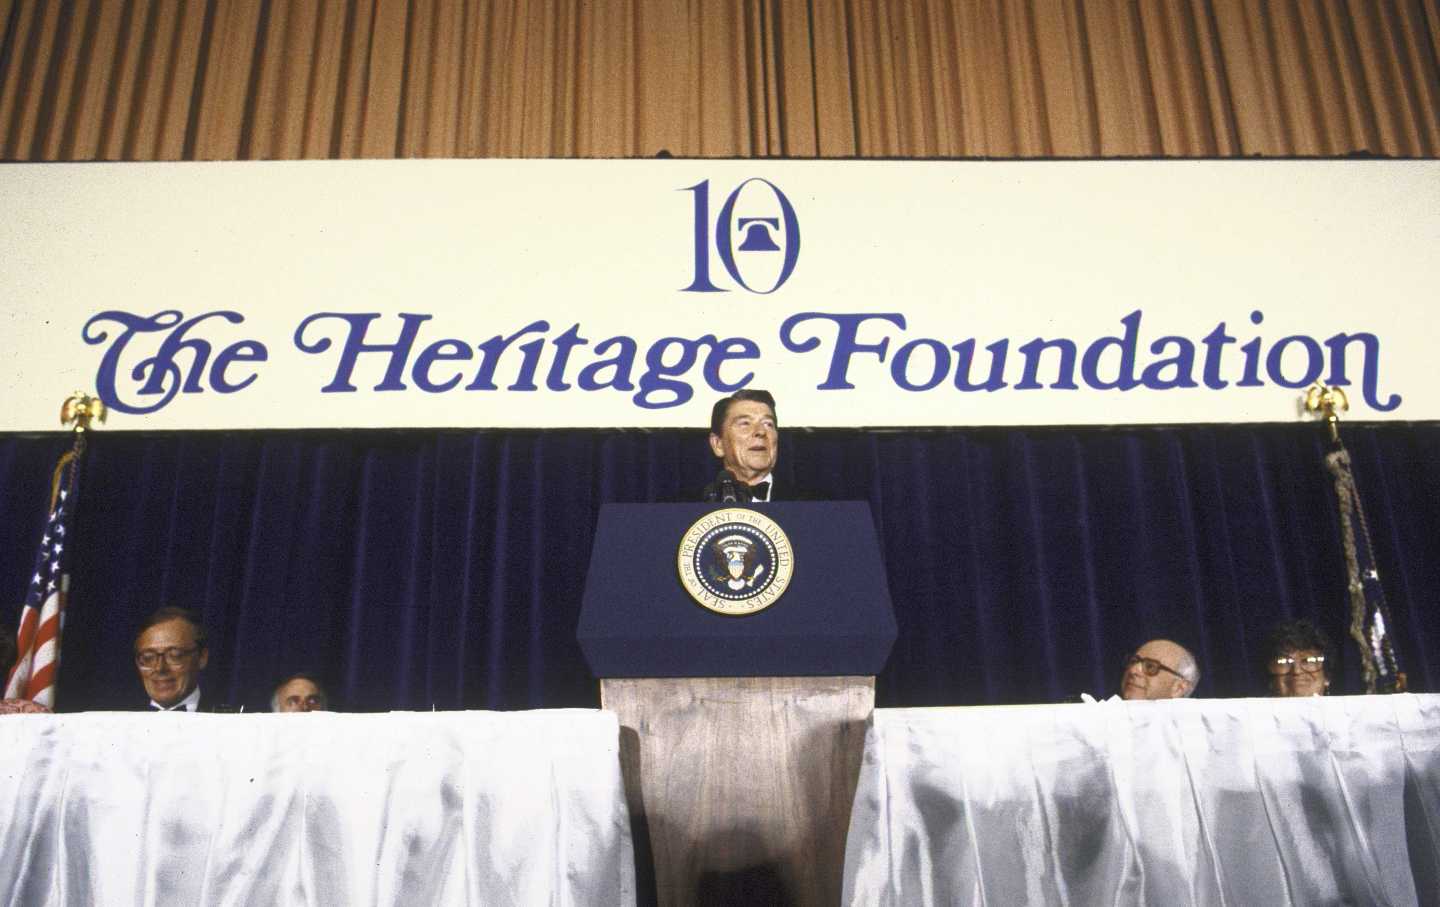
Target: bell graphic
[{"x": 757, "y": 238}]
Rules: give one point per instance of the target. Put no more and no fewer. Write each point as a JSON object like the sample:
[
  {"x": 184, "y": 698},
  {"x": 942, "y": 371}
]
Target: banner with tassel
[{"x": 1370, "y": 624}]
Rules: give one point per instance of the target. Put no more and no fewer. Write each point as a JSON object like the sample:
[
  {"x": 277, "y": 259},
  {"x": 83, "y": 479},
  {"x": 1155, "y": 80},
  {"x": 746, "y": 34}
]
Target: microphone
[{"x": 726, "y": 489}]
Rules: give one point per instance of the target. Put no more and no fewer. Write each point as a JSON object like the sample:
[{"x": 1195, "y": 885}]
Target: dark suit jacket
[
  {"x": 782, "y": 490},
  {"x": 206, "y": 705}
]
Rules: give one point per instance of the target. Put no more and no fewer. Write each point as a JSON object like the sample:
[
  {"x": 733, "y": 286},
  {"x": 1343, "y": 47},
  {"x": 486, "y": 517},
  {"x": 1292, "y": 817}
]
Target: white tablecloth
[
  {"x": 522, "y": 808},
  {"x": 1223, "y": 802}
]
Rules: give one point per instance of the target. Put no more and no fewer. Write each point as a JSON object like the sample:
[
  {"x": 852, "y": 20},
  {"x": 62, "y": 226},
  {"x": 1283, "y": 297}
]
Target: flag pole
[
  {"x": 30, "y": 683},
  {"x": 1370, "y": 625}
]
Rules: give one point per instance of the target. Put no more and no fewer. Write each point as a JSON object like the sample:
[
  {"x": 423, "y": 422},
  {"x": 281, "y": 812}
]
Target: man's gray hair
[
  {"x": 1189, "y": 669},
  {"x": 298, "y": 675}
]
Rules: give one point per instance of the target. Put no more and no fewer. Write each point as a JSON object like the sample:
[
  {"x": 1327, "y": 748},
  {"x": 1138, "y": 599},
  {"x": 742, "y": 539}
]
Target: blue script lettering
[
  {"x": 517, "y": 360},
  {"x": 162, "y": 374},
  {"x": 355, "y": 344},
  {"x": 847, "y": 344},
  {"x": 1105, "y": 363}
]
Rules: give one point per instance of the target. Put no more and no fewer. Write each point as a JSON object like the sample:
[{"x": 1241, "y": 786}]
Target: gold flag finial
[
  {"x": 1324, "y": 400},
  {"x": 80, "y": 409}
]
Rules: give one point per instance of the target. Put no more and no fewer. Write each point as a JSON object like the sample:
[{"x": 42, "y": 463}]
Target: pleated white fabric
[
  {"x": 1227, "y": 802},
  {"x": 523, "y": 808}
]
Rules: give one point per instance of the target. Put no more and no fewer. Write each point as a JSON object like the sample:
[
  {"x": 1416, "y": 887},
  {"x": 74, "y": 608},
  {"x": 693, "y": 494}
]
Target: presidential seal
[{"x": 735, "y": 561}]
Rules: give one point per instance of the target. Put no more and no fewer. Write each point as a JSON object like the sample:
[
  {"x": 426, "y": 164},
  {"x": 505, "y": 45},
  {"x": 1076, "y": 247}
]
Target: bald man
[
  {"x": 300, "y": 692},
  {"x": 1160, "y": 669}
]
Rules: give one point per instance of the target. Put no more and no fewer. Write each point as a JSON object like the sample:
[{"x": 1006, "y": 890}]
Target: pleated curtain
[{"x": 264, "y": 80}]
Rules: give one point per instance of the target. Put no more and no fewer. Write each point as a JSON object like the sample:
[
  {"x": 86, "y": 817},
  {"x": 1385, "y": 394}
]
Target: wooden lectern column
[{"x": 743, "y": 783}]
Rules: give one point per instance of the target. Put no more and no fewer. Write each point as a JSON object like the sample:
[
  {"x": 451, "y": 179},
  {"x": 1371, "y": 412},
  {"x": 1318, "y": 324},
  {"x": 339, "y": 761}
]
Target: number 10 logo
[{"x": 759, "y": 235}]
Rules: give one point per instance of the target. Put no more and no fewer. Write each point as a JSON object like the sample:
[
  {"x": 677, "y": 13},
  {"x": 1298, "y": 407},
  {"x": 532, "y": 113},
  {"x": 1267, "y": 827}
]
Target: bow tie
[{"x": 760, "y": 491}]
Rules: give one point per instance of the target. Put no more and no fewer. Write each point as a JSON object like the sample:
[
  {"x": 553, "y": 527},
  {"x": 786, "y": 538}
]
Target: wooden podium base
[{"x": 743, "y": 784}]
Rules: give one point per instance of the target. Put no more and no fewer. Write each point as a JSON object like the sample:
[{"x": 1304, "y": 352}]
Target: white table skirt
[
  {"x": 1222, "y": 802},
  {"x": 523, "y": 808}
]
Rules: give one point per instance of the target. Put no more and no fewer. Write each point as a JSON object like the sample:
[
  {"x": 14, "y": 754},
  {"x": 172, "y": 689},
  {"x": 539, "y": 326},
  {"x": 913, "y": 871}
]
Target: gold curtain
[{"x": 276, "y": 79}]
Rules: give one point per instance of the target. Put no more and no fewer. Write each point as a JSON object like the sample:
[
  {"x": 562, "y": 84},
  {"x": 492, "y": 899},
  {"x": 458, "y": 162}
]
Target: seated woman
[{"x": 1297, "y": 661}]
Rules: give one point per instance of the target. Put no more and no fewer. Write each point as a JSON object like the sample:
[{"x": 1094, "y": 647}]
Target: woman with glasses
[{"x": 1297, "y": 660}]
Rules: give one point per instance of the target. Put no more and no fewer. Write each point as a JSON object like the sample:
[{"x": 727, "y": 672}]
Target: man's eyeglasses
[
  {"x": 1304, "y": 664},
  {"x": 176, "y": 657},
  {"x": 1151, "y": 666}
]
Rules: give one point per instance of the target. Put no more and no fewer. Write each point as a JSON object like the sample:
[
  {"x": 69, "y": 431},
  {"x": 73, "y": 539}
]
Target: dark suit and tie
[
  {"x": 191, "y": 703},
  {"x": 727, "y": 489}
]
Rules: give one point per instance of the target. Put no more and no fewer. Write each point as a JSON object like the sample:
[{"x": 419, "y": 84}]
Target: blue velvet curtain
[{"x": 445, "y": 569}]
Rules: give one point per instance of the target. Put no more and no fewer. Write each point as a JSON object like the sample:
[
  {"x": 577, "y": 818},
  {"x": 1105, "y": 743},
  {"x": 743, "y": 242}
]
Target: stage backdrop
[
  {"x": 445, "y": 568},
  {"x": 347, "y": 294}
]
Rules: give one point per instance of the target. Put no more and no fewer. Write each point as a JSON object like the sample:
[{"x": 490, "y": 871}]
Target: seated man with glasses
[
  {"x": 170, "y": 653},
  {"x": 1295, "y": 660},
  {"x": 1160, "y": 669}
]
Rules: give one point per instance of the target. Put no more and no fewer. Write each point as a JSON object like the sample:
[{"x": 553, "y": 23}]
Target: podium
[{"x": 742, "y": 730}]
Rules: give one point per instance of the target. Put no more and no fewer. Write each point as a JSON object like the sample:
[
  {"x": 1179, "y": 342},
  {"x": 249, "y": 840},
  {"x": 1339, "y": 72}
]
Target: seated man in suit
[
  {"x": 170, "y": 653},
  {"x": 299, "y": 693},
  {"x": 746, "y": 438},
  {"x": 1160, "y": 669}
]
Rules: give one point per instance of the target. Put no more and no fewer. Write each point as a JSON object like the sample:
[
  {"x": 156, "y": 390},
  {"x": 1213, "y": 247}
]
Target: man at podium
[{"x": 746, "y": 438}]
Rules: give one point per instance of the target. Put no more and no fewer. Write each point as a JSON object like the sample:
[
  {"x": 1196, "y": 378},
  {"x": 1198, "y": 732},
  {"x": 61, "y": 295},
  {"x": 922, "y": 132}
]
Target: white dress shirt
[{"x": 190, "y": 703}]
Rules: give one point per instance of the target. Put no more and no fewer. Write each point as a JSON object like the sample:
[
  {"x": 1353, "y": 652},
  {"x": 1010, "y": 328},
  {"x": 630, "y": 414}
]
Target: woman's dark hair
[{"x": 1296, "y": 636}]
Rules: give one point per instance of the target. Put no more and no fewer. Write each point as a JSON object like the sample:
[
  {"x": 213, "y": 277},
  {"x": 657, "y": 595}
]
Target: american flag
[{"x": 38, "y": 639}]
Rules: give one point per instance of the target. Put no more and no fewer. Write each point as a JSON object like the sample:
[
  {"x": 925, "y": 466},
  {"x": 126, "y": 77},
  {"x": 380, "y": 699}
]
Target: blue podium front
[{"x": 834, "y": 616}]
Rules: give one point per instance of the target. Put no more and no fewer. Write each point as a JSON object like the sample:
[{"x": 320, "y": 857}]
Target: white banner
[{"x": 635, "y": 293}]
